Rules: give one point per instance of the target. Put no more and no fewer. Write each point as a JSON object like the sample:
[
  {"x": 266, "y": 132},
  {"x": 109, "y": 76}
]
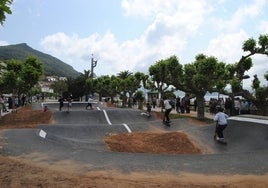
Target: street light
[{"x": 93, "y": 65}]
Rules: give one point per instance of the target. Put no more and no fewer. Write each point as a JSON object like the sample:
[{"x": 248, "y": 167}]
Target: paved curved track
[{"x": 78, "y": 136}]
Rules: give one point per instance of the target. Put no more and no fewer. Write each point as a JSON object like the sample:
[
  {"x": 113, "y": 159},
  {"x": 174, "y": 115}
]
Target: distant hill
[{"x": 52, "y": 65}]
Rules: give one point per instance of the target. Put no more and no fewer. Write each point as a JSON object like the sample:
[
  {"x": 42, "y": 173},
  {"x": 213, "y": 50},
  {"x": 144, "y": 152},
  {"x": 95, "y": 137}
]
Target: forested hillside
[{"x": 52, "y": 65}]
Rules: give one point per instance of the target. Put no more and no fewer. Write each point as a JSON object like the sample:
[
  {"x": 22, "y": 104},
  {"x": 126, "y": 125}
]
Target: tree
[
  {"x": 204, "y": 75},
  {"x": 123, "y": 85},
  {"x": 4, "y": 8},
  {"x": 59, "y": 87},
  {"x": 140, "y": 98},
  {"x": 260, "y": 95},
  {"x": 102, "y": 86},
  {"x": 132, "y": 83},
  {"x": 21, "y": 77},
  {"x": 166, "y": 73},
  {"x": 114, "y": 87},
  {"x": 10, "y": 80},
  {"x": 32, "y": 70},
  {"x": 76, "y": 87}
]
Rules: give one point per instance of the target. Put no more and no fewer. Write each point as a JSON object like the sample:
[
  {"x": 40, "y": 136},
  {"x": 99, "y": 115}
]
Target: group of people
[
  {"x": 12, "y": 102},
  {"x": 231, "y": 107},
  {"x": 2, "y": 103},
  {"x": 69, "y": 100}
]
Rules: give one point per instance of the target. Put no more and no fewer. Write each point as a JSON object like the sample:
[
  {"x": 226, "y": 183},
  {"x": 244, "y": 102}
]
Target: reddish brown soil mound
[
  {"x": 142, "y": 142},
  {"x": 25, "y": 118}
]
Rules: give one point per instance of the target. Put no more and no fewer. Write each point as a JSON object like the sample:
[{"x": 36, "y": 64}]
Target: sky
[{"x": 134, "y": 34}]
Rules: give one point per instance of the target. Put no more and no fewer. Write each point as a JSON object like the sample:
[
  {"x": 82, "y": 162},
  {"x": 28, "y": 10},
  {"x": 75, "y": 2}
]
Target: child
[{"x": 149, "y": 109}]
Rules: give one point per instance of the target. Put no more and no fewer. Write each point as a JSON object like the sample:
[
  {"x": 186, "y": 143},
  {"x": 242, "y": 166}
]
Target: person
[
  {"x": 178, "y": 104},
  {"x": 237, "y": 106},
  {"x": 154, "y": 102},
  {"x": 16, "y": 101},
  {"x": 89, "y": 102},
  {"x": 61, "y": 100},
  {"x": 195, "y": 105},
  {"x": 221, "y": 124},
  {"x": 2, "y": 101},
  {"x": 10, "y": 102},
  {"x": 69, "y": 100},
  {"x": 149, "y": 109},
  {"x": 168, "y": 109}
]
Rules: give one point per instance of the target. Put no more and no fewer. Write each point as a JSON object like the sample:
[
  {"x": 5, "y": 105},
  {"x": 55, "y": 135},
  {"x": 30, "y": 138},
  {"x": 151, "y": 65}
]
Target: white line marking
[
  {"x": 262, "y": 121},
  {"x": 42, "y": 134},
  {"x": 107, "y": 118},
  {"x": 98, "y": 108},
  {"x": 127, "y": 127}
]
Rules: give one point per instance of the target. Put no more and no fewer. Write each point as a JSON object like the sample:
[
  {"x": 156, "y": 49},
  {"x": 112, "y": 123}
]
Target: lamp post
[{"x": 93, "y": 65}]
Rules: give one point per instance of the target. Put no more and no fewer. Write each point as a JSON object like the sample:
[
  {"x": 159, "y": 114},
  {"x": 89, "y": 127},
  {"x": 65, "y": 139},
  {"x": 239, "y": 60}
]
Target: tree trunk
[
  {"x": 200, "y": 107},
  {"x": 140, "y": 104},
  {"x": 100, "y": 96},
  {"x": 124, "y": 99},
  {"x": 262, "y": 108}
]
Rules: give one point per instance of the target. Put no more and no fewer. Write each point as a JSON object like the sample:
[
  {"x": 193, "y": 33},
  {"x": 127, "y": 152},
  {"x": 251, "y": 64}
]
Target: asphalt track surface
[{"x": 79, "y": 136}]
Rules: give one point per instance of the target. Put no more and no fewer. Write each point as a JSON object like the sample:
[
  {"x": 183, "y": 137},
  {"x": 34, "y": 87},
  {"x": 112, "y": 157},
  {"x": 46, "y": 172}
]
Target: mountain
[{"x": 52, "y": 65}]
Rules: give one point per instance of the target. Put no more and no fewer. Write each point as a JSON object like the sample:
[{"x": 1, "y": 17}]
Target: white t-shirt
[
  {"x": 221, "y": 118},
  {"x": 89, "y": 100},
  {"x": 167, "y": 105}
]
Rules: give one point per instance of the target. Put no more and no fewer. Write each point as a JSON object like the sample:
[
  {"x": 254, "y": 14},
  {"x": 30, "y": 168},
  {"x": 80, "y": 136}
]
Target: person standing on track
[
  {"x": 61, "y": 100},
  {"x": 168, "y": 109},
  {"x": 221, "y": 124},
  {"x": 89, "y": 102},
  {"x": 69, "y": 100}
]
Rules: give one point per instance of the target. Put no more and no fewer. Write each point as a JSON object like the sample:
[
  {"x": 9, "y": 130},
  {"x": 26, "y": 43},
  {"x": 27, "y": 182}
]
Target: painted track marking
[
  {"x": 107, "y": 118},
  {"x": 127, "y": 127}
]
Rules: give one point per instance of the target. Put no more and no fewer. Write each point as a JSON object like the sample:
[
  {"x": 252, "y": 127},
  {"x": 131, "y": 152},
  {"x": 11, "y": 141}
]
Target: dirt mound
[
  {"x": 143, "y": 142},
  {"x": 25, "y": 117}
]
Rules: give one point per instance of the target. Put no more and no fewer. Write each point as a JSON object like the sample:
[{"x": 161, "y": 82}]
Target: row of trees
[
  {"x": 205, "y": 74},
  {"x": 124, "y": 84}
]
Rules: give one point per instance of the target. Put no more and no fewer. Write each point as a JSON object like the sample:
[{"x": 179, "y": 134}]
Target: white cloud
[
  {"x": 227, "y": 47},
  {"x": 167, "y": 35},
  {"x": 3, "y": 43},
  {"x": 240, "y": 16},
  {"x": 174, "y": 24},
  {"x": 259, "y": 62},
  {"x": 263, "y": 27},
  {"x": 147, "y": 8}
]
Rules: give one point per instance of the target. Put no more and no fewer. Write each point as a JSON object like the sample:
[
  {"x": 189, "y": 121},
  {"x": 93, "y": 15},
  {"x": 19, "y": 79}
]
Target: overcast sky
[{"x": 134, "y": 34}]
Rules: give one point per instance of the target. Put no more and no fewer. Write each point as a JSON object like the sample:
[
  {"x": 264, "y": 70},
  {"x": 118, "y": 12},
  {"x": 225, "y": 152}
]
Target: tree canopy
[
  {"x": 205, "y": 74},
  {"x": 260, "y": 95},
  {"x": 20, "y": 77},
  {"x": 4, "y": 9}
]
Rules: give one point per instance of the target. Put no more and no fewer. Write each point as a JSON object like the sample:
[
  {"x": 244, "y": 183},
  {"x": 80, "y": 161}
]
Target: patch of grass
[
  {"x": 205, "y": 120},
  {"x": 178, "y": 116}
]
